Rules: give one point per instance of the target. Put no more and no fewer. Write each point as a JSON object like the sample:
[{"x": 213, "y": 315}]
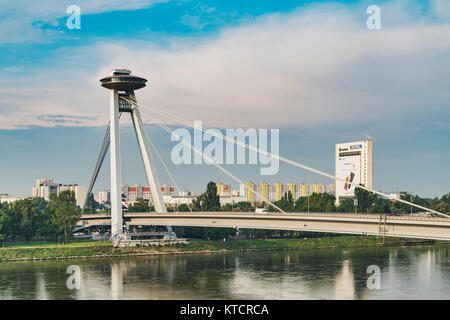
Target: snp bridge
[
  {"x": 122, "y": 84},
  {"x": 365, "y": 224}
]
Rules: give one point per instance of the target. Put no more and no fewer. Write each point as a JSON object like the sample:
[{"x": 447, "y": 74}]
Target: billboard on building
[{"x": 349, "y": 169}]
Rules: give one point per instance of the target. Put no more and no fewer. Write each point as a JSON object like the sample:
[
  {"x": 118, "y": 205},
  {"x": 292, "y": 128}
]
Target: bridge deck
[{"x": 398, "y": 226}]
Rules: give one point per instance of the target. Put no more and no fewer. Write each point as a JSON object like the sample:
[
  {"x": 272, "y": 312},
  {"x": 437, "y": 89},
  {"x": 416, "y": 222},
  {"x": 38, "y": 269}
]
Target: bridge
[
  {"x": 365, "y": 224},
  {"x": 123, "y": 101}
]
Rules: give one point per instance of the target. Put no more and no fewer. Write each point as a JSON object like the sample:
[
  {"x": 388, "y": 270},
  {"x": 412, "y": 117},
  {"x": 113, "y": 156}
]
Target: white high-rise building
[
  {"x": 104, "y": 196},
  {"x": 353, "y": 163},
  {"x": 243, "y": 192},
  {"x": 224, "y": 190},
  {"x": 45, "y": 187},
  {"x": 10, "y": 199}
]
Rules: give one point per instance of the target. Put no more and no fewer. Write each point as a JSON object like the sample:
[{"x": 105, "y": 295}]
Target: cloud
[
  {"x": 48, "y": 8},
  {"x": 39, "y": 96},
  {"x": 23, "y": 19},
  {"x": 314, "y": 66},
  {"x": 319, "y": 65},
  {"x": 202, "y": 17}
]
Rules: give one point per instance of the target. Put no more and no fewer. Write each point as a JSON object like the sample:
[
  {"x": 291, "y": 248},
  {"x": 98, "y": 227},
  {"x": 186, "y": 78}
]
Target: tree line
[
  {"x": 36, "y": 218},
  {"x": 30, "y": 218},
  {"x": 368, "y": 202}
]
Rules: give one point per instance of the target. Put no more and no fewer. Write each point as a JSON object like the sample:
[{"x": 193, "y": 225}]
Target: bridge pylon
[{"x": 123, "y": 100}]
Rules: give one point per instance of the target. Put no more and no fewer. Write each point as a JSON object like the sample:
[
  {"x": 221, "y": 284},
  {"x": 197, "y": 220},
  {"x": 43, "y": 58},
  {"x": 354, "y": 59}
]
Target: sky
[{"x": 311, "y": 69}]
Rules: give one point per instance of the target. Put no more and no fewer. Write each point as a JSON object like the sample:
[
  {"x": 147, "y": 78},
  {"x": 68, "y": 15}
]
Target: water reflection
[
  {"x": 406, "y": 273},
  {"x": 344, "y": 283}
]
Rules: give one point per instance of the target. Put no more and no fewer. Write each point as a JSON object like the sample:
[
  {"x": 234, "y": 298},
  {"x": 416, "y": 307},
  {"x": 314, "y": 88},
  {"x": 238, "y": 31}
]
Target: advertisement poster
[{"x": 350, "y": 170}]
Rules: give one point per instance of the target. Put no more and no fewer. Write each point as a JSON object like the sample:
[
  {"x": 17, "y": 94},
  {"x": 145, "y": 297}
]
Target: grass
[
  {"x": 269, "y": 244},
  {"x": 105, "y": 248},
  {"x": 51, "y": 244}
]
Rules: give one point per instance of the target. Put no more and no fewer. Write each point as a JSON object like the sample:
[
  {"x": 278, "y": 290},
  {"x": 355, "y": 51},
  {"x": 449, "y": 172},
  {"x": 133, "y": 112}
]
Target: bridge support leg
[
  {"x": 98, "y": 165},
  {"x": 149, "y": 163},
  {"x": 116, "y": 179}
]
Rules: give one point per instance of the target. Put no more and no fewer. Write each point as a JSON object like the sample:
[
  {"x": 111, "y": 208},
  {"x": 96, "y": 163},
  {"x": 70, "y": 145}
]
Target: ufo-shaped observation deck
[{"x": 122, "y": 80}]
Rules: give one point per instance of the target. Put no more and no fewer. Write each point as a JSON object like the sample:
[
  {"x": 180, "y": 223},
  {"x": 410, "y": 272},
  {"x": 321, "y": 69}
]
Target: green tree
[
  {"x": 40, "y": 203},
  {"x": 91, "y": 204},
  {"x": 443, "y": 207},
  {"x": 366, "y": 199},
  {"x": 65, "y": 212},
  {"x": 257, "y": 233},
  {"x": 228, "y": 207},
  {"x": 25, "y": 215},
  {"x": 218, "y": 233},
  {"x": 190, "y": 232},
  {"x": 446, "y": 198},
  {"x": 3, "y": 218},
  {"x": 212, "y": 201},
  {"x": 209, "y": 200},
  {"x": 286, "y": 203},
  {"x": 12, "y": 225},
  {"x": 316, "y": 202},
  {"x": 140, "y": 205},
  {"x": 44, "y": 223},
  {"x": 46, "y": 227},
  {"x": 346, "y": 205},
  {"x": 244, "y": 206},
  {"x": 183, "y": 208},
  {"x": 381, "y": 206},
  {"x": 3, "y": 221},
  {"x": 406, "y": 208},
  {"x": 289, "y": 199},
  {"x": 241, "y": 206}
]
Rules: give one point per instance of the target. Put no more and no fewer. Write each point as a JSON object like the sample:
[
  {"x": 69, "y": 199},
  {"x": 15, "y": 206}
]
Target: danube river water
[{"x": 406, "y": 273}]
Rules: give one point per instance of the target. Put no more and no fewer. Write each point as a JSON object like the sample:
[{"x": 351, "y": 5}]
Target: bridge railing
[
  {"x": 306, "y": 214},
  {"x": 371, "y": 216}
]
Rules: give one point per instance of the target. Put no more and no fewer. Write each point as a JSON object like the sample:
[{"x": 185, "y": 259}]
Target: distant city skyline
[{"x": 195, "y": 177}]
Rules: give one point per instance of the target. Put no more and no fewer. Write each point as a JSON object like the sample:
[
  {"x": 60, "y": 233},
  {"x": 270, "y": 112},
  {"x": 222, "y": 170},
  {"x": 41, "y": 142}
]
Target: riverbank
[{"x": 96, "y": 249}]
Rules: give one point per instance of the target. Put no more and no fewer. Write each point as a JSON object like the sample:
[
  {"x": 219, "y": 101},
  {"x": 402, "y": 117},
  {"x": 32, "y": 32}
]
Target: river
[{"x": 405, "y": 273}]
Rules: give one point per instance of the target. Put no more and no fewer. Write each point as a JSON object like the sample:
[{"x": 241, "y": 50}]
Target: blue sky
[{"x": 310, "y": 68}]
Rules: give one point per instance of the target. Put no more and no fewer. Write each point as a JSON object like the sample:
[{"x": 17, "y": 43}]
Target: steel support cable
[
  {"x": 170, "y": 131},
  {"x": 269, "y": 154},
  {"x": 101, "y": 157},
  {"x": 166, "y": 168}
]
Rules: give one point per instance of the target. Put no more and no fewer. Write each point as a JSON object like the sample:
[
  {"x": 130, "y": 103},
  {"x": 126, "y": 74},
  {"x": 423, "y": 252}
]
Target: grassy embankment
[{"x": 105, "y": 248}]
